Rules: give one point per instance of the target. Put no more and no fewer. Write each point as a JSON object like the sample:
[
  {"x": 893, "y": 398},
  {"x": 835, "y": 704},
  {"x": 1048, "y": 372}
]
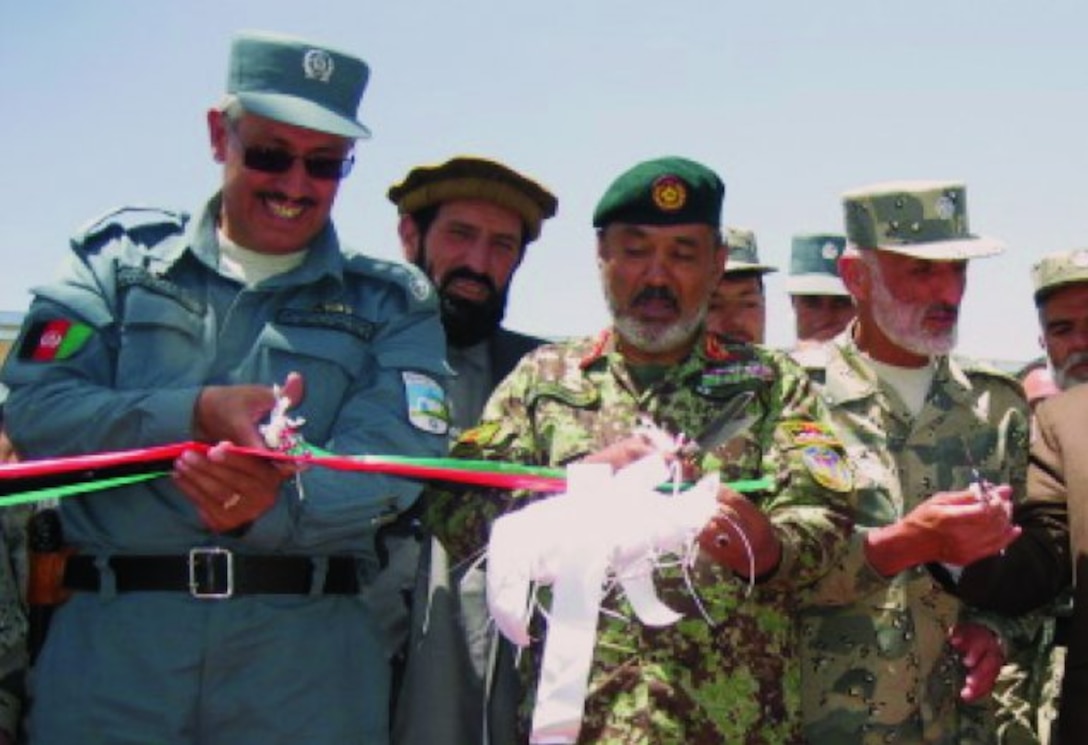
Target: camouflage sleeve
[
  {"x": 809, "y": 506},
  {"x": 461, "y": 517},
  {"x": 1036, "y": 567},
  {"x": 853, "y": 577}
]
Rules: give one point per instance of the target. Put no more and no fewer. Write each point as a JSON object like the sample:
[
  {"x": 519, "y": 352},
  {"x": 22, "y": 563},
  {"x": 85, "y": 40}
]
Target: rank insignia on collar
[
  {"x": 597, "y": 351},
  {"x": 714, "y": 349}
]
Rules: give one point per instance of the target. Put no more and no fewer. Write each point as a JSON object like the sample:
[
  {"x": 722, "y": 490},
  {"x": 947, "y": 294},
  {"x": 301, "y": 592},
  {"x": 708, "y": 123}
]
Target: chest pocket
[
  {"x": 161, "y": 340},
  {"x": 570, "y": 423},
  {"x": 329, "y": 359}
]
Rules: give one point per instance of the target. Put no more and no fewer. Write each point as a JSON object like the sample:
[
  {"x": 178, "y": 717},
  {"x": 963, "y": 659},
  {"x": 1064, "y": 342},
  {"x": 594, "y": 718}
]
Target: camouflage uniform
[
  {"x": 733, "y": 680},
  {"x": 877, "y": 667}
]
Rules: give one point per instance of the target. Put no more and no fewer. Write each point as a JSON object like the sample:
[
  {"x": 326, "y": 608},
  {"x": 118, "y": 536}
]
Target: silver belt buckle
[{"x": 211, "y": 573}]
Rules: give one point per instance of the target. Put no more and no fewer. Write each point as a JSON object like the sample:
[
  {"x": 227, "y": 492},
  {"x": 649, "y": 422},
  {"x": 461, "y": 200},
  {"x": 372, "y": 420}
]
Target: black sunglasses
[{"x": 278, "y": 160}]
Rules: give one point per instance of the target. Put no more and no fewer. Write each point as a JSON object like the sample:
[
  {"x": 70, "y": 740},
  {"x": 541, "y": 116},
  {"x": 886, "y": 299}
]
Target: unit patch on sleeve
[
  {"x": 56, "y": 339},
  {"x": 828, "y": 468},
  {"x": 426, "y": 401}
]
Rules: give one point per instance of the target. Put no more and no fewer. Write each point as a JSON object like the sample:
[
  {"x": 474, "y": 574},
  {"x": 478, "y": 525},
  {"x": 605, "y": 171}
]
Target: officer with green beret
[
  {"x": 727, "y": 672},
  {"x": 738, "y": 307},
  {"x": 939, "y": 448},
  {"x": 821, "y": 305},
  {"x": 467, "y": 224},
  {"x": 231, "y": 601}
]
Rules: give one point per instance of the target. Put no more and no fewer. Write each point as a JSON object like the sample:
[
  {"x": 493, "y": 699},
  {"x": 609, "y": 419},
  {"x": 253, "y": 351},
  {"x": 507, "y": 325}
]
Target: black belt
[{"x": 216, "y": 573}]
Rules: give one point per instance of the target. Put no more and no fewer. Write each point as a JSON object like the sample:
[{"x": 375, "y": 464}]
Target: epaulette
[
  {"x": 146, "y": 225},
  {"x": 409, "y": 278},
  {"x": 982, "y": 369}
]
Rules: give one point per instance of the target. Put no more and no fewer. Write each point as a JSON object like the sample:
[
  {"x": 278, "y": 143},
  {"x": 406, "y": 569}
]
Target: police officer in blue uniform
[{"x": 228, "y": 602}]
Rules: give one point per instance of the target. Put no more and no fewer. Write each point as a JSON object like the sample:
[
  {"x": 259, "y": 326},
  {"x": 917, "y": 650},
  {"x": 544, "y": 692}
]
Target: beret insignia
[{"x": 669, "y": 193}]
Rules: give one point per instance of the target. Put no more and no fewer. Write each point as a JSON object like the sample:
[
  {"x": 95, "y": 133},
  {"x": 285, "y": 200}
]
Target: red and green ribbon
[{"x": 57, "y": 478}]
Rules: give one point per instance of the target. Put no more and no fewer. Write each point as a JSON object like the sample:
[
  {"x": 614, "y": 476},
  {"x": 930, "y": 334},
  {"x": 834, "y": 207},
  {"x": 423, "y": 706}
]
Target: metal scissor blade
[{"x": 728, "y": 423}]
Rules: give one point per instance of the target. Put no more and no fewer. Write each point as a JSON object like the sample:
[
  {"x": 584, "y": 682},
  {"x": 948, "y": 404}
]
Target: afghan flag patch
[{"x": 58, "y": 339}]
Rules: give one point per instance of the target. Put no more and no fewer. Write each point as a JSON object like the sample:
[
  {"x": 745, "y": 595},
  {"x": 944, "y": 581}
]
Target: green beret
[
  {"x": 1057, "y": 269},
  {"x": 475, "y": 178},
  {"x": 665, "y": 191},
  {"x": 298, "y": 82},
  {"x": 814, "y": 264},
  {"x": 744, "y": 253},
  {"x": 924, "y": 219}
]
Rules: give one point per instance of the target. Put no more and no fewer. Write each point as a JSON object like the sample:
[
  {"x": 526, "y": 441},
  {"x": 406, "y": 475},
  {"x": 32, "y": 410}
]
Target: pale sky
[{"x": 792, "y": 102}]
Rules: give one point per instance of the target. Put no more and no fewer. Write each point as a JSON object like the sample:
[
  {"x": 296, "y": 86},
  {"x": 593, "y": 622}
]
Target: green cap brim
[
  {"x": 735, "y": 267},
  {"x": 975, "y": 247},
  {"x": 815, "y": 284},
  {"x": 301, "y": 113}
]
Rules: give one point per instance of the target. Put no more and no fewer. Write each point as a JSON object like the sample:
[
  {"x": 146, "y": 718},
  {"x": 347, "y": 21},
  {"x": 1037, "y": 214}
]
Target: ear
[
  {"x": 721, "y": 256},
  {"x": 855, "y": 275},
  {"x": 409, "y": 238},
  {"x": 217, "y": 134}
]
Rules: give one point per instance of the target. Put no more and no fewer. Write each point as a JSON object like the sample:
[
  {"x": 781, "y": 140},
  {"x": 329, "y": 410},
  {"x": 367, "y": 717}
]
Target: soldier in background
[
  {"x": 822, "y": 307},
  {"x": 738, "y": 307},
  {"x": 897, "y": 656},
  {"x": 467, "y": 223}
]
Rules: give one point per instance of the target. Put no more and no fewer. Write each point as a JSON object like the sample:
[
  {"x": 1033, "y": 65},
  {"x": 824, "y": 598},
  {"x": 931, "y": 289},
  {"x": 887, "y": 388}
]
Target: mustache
[
  {"x": 655, "y": 293},
  {"x": 944, "y": 309},
  {"x": 1072, "y": 361},
  {"x": 279, "y": 196},
  {"x": 463, "y": 272}
]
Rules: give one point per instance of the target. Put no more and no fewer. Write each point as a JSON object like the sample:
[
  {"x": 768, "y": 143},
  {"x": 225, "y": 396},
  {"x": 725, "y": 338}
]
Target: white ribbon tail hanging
[{"x": 607, "y": 528}]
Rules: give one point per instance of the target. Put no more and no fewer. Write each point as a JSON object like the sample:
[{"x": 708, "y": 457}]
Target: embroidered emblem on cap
[
  {"x": 669, "y": 193},
  {"x": 830, "y": 251},
  {"x": 317, "y": 64},
  {"x": 946, "y": 206}
]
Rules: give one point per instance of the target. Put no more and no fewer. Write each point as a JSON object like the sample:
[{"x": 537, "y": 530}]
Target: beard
[
  {"x": 904, "y": 323},
  {"x": 469, "y": 322},
  {"x": 648, "y": 336},
  {"x": 1064, "y": 377}
]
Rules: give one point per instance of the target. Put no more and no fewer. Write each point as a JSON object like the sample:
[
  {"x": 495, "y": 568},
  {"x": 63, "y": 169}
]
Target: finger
[{"x": 293, "y": 387}]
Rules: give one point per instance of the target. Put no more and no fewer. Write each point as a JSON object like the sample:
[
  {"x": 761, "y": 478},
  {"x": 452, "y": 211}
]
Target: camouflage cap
[
  {"x": 814, "y": 264},
  {"x": 924, "y": 219},
  {"x": 469, "y": 177},
  {"x": 298, "y": 82},
  {"x": 744, "y": 253},
  {"x": 665, "y": 191},
  {"x": 1057, "y": 269}
]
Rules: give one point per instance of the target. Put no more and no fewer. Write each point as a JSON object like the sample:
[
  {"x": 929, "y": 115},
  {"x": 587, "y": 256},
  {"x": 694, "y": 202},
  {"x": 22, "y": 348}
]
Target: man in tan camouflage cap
[
  {"x": 738, "y": 307},
  {"x": 1061, "y": 297},
  {"x": 927, "y": 436}
]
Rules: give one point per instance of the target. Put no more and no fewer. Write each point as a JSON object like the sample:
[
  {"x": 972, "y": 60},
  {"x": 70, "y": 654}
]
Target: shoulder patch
[
  {"x": 426, "y": 400},
  {"x": 828, "y": 467},
  {"x": 53, "y": 339},
  {"x": 805, "y": 432}
]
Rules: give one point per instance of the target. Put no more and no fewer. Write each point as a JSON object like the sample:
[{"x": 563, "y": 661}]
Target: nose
[
  {"x": 951, "y": 282},
  {"x": 295, "y": 181}
]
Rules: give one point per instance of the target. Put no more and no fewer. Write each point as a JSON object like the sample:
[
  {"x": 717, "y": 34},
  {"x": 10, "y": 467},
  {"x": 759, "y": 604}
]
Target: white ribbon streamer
[{"x": 606, "y": 528}]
